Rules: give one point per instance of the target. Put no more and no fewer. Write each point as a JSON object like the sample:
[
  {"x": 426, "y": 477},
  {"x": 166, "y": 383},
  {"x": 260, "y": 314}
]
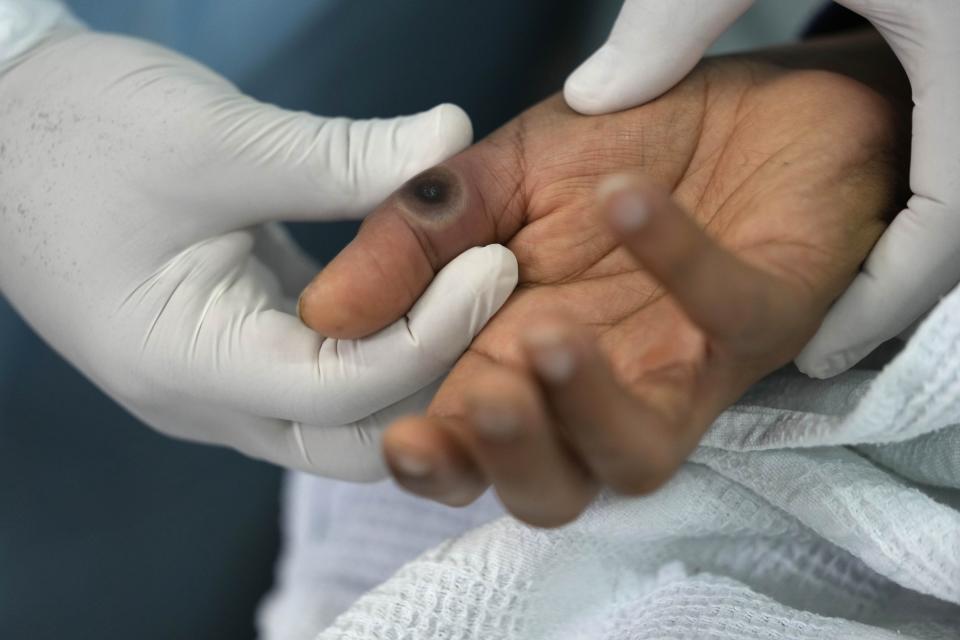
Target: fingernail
[
  {"x": 555, "y": 364},
  {"x": 300, "y": 306},
  {"x": 304, "y": 302},
  {"x": 411, "y": 464},
  {"x": 614, "y": 184},
  {"x": 552, "y": 358},
  {"x": 496, "y": 423},
  {"x": 628, "y": 210}
]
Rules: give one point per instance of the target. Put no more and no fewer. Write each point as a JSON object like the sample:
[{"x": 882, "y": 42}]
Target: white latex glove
[
  {"x": 137, "y": 191},
  {"x": 655, "y": 43}
]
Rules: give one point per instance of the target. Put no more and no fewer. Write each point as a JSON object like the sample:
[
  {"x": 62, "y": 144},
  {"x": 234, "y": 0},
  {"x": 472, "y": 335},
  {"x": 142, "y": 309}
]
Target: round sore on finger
[{"x": 430, "y": 220}]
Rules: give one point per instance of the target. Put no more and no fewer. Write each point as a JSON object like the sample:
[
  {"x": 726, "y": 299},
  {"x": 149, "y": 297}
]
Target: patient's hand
[{"x": 642, "y": 337}]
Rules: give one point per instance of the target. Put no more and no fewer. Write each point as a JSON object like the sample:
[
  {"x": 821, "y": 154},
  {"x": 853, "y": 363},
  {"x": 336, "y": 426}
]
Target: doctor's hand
[
  {"x": 789, "y": 174},
  {"x": 137, "y": 236},
  {"x": 655, "y": 43}
]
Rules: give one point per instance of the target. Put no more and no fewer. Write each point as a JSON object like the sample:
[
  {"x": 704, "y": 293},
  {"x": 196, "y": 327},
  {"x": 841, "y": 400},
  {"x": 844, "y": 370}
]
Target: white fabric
[
  {"x": 814, "y": 509},
  {"x": 341, "y": 540}
]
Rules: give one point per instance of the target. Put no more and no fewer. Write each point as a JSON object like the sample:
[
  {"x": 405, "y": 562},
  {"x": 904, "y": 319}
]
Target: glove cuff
[{"x": 24, "y": 23}]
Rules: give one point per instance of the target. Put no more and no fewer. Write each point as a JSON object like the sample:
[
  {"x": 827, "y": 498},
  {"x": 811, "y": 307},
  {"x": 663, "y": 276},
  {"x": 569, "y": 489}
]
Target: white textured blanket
[{"x": 812, "y": 510}]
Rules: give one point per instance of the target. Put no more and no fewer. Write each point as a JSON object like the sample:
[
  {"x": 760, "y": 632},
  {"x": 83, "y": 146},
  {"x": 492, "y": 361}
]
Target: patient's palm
[{"x": 790, "y": 170}]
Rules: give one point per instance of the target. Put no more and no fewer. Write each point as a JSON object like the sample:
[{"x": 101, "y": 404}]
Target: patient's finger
[
  {"x": 427, "y": 458},
  {"x": 465, "y": 202},
  {"x": 633, "y": 443},
  {"x": 520, "y": 451},
  {"x": 724, "y": 296}
]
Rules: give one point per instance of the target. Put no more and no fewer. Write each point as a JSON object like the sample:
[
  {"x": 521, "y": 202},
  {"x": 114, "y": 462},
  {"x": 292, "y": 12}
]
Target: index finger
[{"x": 732, "y": 301}]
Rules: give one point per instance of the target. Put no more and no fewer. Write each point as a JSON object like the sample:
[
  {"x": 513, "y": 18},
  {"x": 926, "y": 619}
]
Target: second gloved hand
[
  {"x": 138, "y": 195},
  {"x": 655, "y": 43}
]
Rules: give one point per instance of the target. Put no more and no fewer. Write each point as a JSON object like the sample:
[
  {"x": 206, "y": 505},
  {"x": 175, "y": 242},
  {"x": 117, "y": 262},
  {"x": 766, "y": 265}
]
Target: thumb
[
  {"x": 270, "y": 164},
  {"x": 653, "y": 45},
  {"x": 429, "y": 221},
  {"x": 918, "y": 259}
]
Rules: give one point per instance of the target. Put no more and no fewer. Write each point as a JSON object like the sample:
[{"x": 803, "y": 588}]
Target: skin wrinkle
[
  {"x": 689, "y": 171},
  {"x": 733, "y": 191},
  {"x": 587, "y": 178},
  {"x": 410, "y": 287},
  {"x": 742, "y": 117},
  {"x": 486, "y": 211},
  {"x": 503, "y": 224},
  {"x": 870, "y": 166},
  {"x": 784, "y": 267},
  {"x": 711, "y": 185},
  {"x": 426, "y": 247},
  {"x": 514, "y": 203},
  {"x": 520, "y": 158},
  {"x": 741, "y": 122},
  {"x": 615, "y": 263},
  {"x": 532, "y": 271},
  {"x": 581, "y": 274},
  {"x": 517, "y": 203}
]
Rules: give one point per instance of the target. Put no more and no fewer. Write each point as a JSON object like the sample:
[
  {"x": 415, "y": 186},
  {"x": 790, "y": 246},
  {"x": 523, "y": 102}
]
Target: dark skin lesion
[
  {"x": 767, "y": 186},
  {"x": 434, "y": 194}
]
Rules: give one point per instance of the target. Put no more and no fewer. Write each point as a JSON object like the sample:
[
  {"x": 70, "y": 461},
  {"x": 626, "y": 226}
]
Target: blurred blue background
[{"x": 108, "y": 530}]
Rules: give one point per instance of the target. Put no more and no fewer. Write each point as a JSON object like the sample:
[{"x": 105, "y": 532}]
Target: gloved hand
[
  {"x": 138, "y": 191},
  {"x": 655, "y": 43}
]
